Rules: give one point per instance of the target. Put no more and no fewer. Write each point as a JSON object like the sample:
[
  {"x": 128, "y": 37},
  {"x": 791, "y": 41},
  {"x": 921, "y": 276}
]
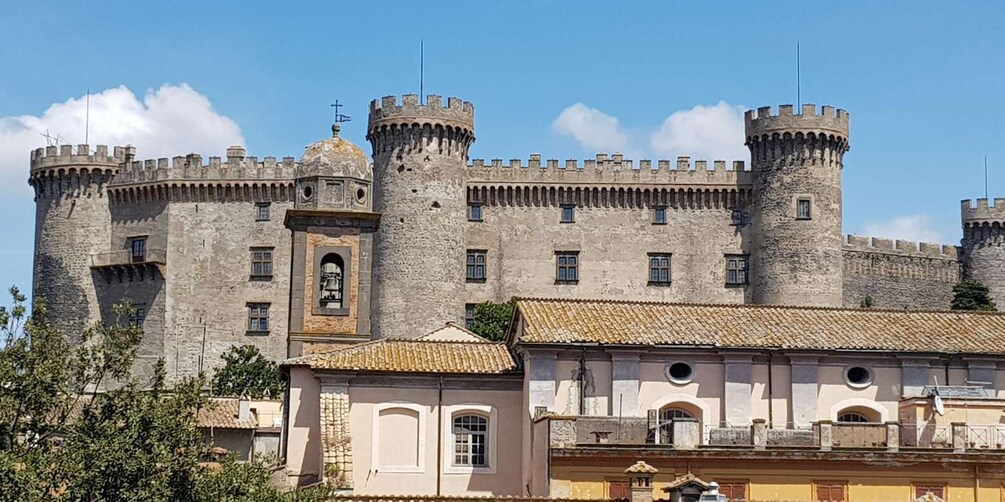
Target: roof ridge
[{"x": 756, "y": 306}]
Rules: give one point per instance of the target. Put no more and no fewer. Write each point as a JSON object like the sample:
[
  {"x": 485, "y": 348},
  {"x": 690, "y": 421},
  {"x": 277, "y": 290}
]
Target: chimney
[
  {"x": 244, "y": 408},
  {"x": 235, "y": 153},
  {"x": 640, "y": 481}
]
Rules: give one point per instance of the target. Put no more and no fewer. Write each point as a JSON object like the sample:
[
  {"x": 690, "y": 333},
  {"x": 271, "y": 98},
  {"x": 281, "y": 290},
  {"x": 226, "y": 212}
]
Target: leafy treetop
[{"x": 972, "y": 295}]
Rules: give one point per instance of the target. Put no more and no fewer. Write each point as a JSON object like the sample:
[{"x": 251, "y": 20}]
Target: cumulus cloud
[
  {"x": 703, "y": 132},
  {"x": 173, "y": 120},
  {"x": 912, "y": 228},
  {"x": 592, "y": 128}
]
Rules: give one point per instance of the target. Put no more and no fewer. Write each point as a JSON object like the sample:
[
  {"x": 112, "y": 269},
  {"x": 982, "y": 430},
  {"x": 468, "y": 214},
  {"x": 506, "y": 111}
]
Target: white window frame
[
  {"x": 447, "y": 420},
  {"x": 375, "y": 438}
]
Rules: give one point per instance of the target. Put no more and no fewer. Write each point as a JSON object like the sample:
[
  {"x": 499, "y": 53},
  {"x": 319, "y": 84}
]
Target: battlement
[
  {"x": 827, "y": 120},
  {"x": 611, "y": 169},
  {"x": 235, "y": 167},
  {"x": 982, "y": 211},
  {"x": 900, "y": 247},
  {"x": 456, "y": 112},
  {"x": 79, "y": 156}
]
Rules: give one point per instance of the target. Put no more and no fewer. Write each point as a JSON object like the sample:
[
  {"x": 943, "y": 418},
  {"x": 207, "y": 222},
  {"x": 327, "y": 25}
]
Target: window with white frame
[{"x": 471, "y": 433}]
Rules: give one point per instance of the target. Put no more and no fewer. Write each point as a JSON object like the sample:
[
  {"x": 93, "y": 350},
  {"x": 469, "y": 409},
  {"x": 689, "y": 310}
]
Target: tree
[
  {"x": 75, "y": 424},
  {"x": 867, "y": 302},
  {"x": 247, "y": 372},
  {"x": 972, "y": 295},
  {"x": 492, "y": 319}
]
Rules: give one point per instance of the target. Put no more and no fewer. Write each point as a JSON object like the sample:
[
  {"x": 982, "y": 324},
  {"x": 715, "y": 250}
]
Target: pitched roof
[
  {"x": 759, "y": 326},
  {"x": 222, "y": 414},
  {"x": 447, "y": 350}
]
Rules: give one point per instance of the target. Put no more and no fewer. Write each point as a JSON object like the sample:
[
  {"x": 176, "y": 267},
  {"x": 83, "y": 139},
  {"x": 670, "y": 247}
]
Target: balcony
[
  {"x": 126, "y": 264},
  {"x": 689, "y": 434}
]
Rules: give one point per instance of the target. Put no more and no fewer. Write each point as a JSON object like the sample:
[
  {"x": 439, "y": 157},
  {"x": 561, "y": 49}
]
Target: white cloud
[
  {"x": 592, "y": 128},
  {"x": 911, "y": 228},
  {"x": 703, "y": 132},
  {"x": 173, "y": 120}
]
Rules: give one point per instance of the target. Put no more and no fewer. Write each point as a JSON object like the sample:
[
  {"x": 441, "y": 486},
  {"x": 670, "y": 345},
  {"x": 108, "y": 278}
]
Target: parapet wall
[
  {"x": 828, "y": 120},
  {"x": 610, "y": 170},
  {"x": 982, "y": 211},
  {"x": 191, "y": 168},
  {"x": 456, "y": 111},
  {"x": 76, "y": 156},
  {"x": 900, "y": 247}
]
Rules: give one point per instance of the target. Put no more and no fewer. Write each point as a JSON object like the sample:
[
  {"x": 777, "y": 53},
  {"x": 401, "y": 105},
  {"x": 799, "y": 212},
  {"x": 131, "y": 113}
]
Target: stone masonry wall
[
  {"x": 899, "y": 274},
  {"x": 983, "y": 245}
]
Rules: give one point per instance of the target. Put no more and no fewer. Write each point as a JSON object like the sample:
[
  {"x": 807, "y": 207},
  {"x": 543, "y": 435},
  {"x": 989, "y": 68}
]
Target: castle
[{"x": 297, "y": 256}]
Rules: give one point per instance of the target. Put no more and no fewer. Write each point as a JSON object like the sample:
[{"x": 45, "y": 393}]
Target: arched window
[
  {"x": 331, "y": 281},
  {"x": 667, "y": 417},
  {"x": 853, "y": 417},
  {"x": 471, "y": 433}
]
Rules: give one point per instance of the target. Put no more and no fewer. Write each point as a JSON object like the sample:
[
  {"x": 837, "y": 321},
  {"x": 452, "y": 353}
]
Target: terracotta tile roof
[
  {"x": 415, "y": 356},
  {"x": 222, "y": 414},
  {"x": 756, "y": 326}
]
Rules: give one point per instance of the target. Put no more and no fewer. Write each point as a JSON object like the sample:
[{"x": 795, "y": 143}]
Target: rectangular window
[
  {"x": 138, "y": 249},
  {"x": 568, "y": 213},
  {"x": 476, "y": 266},
  {"x": 258, "y": 317},
  {"x": 659, "y": 269},
  {"x": 471, "y": 441},
  {"x": 803, "y": 209},
  {"x": 474, "y": 212},
  {"x": 736, "y": 218},
  {"x": 469, "y": 315},
  {"x": 659, "y": 215},
  {"x": 261, "y": 263},
  {"x": 830, "y": 492},
  {"x": 736, "y": 269},
  {"x": 262, "y": 211},
  {"x": 567, "y": 267},
  {"x": 138, "y": 314},
  {"x": 735, "y": 491},
  {"x": 925, "y": 489}
]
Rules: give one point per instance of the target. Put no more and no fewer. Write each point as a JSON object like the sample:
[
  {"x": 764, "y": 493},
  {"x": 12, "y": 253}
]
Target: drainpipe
[
  {"x": 439, "y": 435},
  {"x": 582, "y": 382},
  {"x": 771, "y": 415}
]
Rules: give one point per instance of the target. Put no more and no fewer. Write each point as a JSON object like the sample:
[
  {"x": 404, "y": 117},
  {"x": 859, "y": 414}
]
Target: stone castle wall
[
  {"x": 899, "y": 274},
  {"x": 983, "y": 244}
]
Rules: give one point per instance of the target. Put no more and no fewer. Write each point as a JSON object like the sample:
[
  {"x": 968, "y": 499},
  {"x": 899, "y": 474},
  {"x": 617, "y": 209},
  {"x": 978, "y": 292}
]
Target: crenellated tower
[
  {"x": 796, "y": 240},
  {"x": 420, "y": 154},
  {"x": 72, "y": 225},
  {"x": 984, "y": 245}
]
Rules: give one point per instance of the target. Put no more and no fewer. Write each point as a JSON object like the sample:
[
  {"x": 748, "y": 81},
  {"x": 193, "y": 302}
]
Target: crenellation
[
  {"x": 78, "y": 156},
  {"x": 900, "y": 247},
  {"x": 982, "y": 211},
  {"x": 827, "y": 120},
  {"x": 388, "y": 108},
  {"x": 610, "y": 169},
  {"x": 190, "y": 167}
]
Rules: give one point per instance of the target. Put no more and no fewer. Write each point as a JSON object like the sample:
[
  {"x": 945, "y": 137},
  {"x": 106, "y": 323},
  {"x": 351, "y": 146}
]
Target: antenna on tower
[
  {"x": 87, "y": 119},
  {"x": 985, "y": 176},
  {"x": 799, "y": 97},
  {"x": 422, "y": 64}
]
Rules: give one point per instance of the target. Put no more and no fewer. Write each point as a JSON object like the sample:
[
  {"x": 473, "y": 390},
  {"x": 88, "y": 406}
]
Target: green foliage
[
  {"x": 972, "y": 295},
  {"x": 247, "y": 372},
  {"x": 867, "y": 302},
  {"x": 492, "y": 319},
  {"x": 61, "y": 439}
]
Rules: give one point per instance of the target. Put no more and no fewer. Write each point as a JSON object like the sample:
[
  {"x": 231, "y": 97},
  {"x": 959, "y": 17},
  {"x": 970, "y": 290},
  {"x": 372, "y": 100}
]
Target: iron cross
[{"x": 339, "y": 118}]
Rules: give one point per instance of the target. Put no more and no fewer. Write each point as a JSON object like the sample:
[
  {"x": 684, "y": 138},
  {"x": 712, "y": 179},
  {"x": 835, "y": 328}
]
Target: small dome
[{"x": 335, "y": 157}]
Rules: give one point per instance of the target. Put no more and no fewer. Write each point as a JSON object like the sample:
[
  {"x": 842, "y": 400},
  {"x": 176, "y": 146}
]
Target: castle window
[
  {"x": 476, "y": 266},
  {"x": 258, "y": 318},
  {"x": 567, "y": 267},
  {"x": 469, "y": 315},
  {"x": 137, "y": 315},
  {"x": 262, "y": 211},
  {"x": 660, "y": 215},
  {"x": 331, "y": 281},
  {"x": 138, "y": 249},
  {"x": 659, "y": 269},
  {"x": 568, "y": 213},
  {"x": 261, "y": 263},
  {"x": 736, "y": 218},
  {"x": 736, "y": 269},
  {"x": 474, "y": 212},
  {"x": 471, "y": 440},
  {"x": 803, "y": 211}
]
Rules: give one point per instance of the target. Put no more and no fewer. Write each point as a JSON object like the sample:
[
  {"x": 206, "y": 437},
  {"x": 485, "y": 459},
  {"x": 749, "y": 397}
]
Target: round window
[
  {"x": 308, "y": 192},
  {"x": 360, "y": 195},
  {"x": 858, "y": 376},
  {"x": 679, "y": 372}
]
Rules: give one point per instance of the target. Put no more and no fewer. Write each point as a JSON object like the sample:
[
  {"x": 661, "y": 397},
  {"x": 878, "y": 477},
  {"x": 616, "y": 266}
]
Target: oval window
[
  {"x": 360, "y": 195},
  {"x": 679, "y": 372},
  {"x": 858, "y": 376},
  {"x": 308, "y": 192}
]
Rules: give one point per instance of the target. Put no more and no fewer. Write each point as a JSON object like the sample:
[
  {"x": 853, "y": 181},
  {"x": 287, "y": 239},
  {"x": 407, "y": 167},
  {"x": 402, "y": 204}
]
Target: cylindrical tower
[
  {"x": 72, "y": 223},
  {"x": 796, "y": 240},
  {"x": 420, "y": 154},
  {"x": 984, "y": 245}
]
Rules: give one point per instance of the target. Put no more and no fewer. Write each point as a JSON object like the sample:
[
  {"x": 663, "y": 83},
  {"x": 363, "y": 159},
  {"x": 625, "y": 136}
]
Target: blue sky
[{"x": 922, "y": 81}]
